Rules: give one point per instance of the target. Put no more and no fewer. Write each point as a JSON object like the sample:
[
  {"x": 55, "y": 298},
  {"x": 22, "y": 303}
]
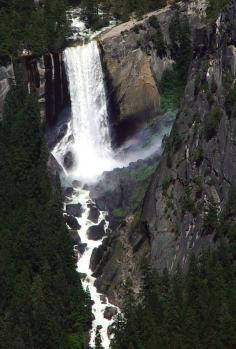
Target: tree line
[
  {"x": 97, "y": 13},
  {"x": 42, "y": 302},
  {"x": 195, "y": 310},
  {"x": 36, "y": 27}
]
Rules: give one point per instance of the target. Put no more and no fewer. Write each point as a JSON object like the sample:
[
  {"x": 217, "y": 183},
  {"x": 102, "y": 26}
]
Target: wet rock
[
  {"x": 110, "y": 312},
  {"x": 68, "y": 192},
  {"x": 103, "y": 299},
  {"x": 110, "y": 330},
  {"x": 93, "y": 213},
  {"x": 67, "y": 200},
  {"x": 96, "y": 232},
  {"x": 76, "y": 184},
  {"x": 96, "y": 257},
  {"x": 82, "y": 248},
  {"x": 72, "y": 222},
  {"x": 53, "y": 166},
  {"x": 74, "y": 209},
  {"x": 74, "y": 237},
  {"x": 68, "y": 160},
  {"x": 82, "y": 276}
]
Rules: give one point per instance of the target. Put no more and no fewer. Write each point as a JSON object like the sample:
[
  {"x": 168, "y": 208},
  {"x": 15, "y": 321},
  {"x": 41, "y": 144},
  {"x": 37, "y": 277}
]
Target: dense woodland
[
  {"x": 32, "y": 26},
  {"x": 42, "y": 303},
  {"x": 184, "y": 311}
]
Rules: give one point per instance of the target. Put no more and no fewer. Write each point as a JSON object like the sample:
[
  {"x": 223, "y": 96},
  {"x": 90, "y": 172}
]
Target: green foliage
[
  {"x": 188, "y": 204},
  {"x": 173, "y": 80},
  {"x": 119, "y": 212},
  {"x": 197, "y": 156},
  {"x": 230, "y": 101},
  {"x": 37, "y": 29},
  {"x": 121, "y": 10},
  {"x": 42, "y": 300},
  {"x": 211, "y": 122},
  {"x": 153, "y": 21},
  {"x": 214, "y": 8},
  {"x": 157, "y": 37},
  {"x": 166, "y": 184},
  {"x": 192, "y": 310},
  {"x": 171, "y": 89},
  {"x": 143, "y": 173}
]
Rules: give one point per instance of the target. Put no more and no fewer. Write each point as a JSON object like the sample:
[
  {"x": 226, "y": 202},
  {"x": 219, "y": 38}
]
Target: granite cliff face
[
  {"x": 193, "y": 182},
  {"x": 47, "y": 75},
  {"x": 195, "y": 176},
  {"x": 135, "y": 55}
]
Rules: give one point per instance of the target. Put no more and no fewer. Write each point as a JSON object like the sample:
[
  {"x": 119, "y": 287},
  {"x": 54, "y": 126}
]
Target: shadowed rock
[
  {"x": 96, "y": 232},
  {"x": 74, "y": 237},
  {"x": 74, "y": 209},
  {"x": 93, "y": 214},
  {"x": 110, "y": 312},
  {"x": 72, "y": 222}
]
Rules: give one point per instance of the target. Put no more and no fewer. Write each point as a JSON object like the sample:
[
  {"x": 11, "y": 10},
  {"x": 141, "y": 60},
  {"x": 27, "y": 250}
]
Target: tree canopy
[{"x": 42, "y": 303}]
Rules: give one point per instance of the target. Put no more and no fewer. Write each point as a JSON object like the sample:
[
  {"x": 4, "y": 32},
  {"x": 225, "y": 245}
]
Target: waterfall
[
  {"x": 92, "y": 146},
  {"x": 88, "y": 139}
]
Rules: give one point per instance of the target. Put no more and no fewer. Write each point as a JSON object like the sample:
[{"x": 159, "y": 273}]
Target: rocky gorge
[
  {"x": 191, "y": 186},
  {"x": 140, "y": 124}
]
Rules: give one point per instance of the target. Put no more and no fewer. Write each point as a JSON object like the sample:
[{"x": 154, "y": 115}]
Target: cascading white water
[
  {"x": 92, "y": 146},
  {"x": 92, "y": 152}
]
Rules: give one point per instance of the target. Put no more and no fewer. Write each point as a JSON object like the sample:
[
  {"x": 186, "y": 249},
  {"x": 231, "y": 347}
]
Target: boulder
[
  {"x": 68, "y": 160},
  {"x": 74, "y": 237},
  {"x": 68, "y": 192},
  {"x": 72, "y": 222},
  {"x": 110, "y": 312},
  {"x": 110, "y": 330},
  {"x": 74, "y": 210},
  {"x": 76, "y": 184},
  {"x": 96, "y": 257},
  {"x": 82, "y": 248},
  {"x": 96, "y": 232},
  {"x": 53, "y": 166},
  {"x": 93, "y": 213},
  {"x": 103, "y": 299}
]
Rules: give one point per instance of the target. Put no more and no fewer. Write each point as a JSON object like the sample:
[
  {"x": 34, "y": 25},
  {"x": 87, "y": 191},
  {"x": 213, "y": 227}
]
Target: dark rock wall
[
  {"x": 198, "y": 166},
  {"x": 196, "y": 171},
  {"x": 46, "y": 74}
]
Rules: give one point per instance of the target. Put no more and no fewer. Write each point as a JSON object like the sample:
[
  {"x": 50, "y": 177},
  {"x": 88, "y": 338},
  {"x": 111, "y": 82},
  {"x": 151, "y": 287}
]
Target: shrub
[
  {"x": 214, "y": 8},
  {"x": 197, "y": 156},
  {"x": 188, "y": 203},
  {"x": 153, "y": 21},
  {"x": 171, "y": 88},
  {"x": 136, "y": 29},
  {"x": 166, "y": 183},
  {"x": 144, "y": 172},
  {"x": 119, "y": 212},
  {"x": 230, "y": 100}
]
